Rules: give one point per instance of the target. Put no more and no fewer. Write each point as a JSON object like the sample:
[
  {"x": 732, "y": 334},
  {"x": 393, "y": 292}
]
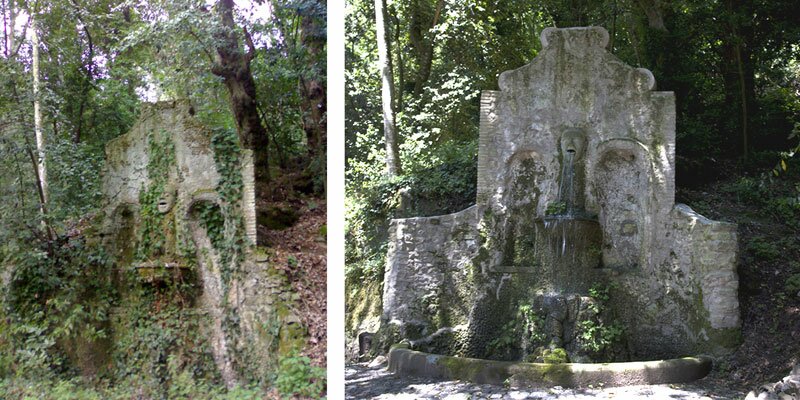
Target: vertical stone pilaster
[
  {"x": 488, "y": 132},
  {"x": 664, "y": 134},
  {"x": 249, "y": 194}
]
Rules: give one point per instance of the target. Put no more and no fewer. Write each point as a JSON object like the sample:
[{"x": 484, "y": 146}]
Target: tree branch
[
  {"x": 439, "y": 6},
  {"x": 6, "y": 50},
  {"x": 251, "y": 52},
  {"x": 204, "y": 45},
  {"x": 40, "y": 190},
  {"x": 24, "y": 33}
]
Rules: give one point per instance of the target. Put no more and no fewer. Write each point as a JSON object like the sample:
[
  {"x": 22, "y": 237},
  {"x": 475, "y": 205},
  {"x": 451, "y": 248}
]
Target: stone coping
[
  {"x": 160, "y": 265},
  {"x": 403, "y": 361}
]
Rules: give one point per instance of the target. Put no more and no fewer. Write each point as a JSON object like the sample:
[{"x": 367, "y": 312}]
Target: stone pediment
[{"x": 574, "y": 84}]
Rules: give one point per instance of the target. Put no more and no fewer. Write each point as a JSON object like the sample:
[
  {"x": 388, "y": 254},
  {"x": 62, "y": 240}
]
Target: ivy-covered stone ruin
[
  {"x": 180, "y": 225},
  {"x": 575, "y": 249}
]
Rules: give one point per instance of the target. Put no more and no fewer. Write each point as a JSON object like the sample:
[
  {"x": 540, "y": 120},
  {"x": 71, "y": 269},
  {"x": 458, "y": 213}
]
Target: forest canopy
[{"x": 74, "y": 75}]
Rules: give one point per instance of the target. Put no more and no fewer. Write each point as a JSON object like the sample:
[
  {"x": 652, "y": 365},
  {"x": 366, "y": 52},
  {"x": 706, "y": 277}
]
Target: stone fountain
[
  {"x": 575, "y": 224},
  {"x": 179, "y": 209}
]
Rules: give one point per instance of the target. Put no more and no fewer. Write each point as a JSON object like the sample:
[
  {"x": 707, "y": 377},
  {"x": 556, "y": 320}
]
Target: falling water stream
[
  {"x": 563, "y": 251},
  {"x": 566, "y": 192},
  {"x": 566, "y": 197}
]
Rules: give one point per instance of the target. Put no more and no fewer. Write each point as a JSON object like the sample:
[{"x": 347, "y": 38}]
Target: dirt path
[
  {"x": 365, "y": 382},
  {"x": 300, "y": 251}
]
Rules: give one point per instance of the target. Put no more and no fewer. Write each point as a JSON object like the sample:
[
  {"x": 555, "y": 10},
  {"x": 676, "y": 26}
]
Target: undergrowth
[{"x": 447, "y": 184}]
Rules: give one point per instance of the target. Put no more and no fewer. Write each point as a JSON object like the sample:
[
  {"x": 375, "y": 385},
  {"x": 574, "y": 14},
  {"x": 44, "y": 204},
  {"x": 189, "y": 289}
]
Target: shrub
[
  {"x": 296, "y": 376},
  {"x": 763, "y": 248},
  {"x": 792, "y": 285}
]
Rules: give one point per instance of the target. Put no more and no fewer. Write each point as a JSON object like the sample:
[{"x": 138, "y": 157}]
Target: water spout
[{"x": 566, "y": 191}]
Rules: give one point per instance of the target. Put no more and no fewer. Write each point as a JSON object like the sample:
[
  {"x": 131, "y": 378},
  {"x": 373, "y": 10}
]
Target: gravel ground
[{"x": 375, "y": 382}]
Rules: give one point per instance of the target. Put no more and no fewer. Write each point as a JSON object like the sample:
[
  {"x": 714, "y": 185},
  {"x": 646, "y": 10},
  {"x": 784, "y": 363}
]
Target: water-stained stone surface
[
  {"x": 180, "y": 209},
  {"x": 575, "y": 135}
]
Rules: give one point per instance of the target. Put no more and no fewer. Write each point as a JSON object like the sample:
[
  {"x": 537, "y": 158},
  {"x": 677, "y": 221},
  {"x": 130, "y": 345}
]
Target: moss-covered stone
[
  {"x": 176, "y": 197},
  {"x": 574, "y": 126},
  {"x": 408, "y": 362}
]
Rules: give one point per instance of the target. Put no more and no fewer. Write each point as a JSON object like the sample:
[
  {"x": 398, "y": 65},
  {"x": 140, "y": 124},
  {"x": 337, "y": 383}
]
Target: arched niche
[
  {"x": 524, "y": 175},
  {"x": 203, "y": 214},
  {"x": 621, "y": 181},
  {"x": 523, "y": 189},
  {"x": 206, "y": 205}
]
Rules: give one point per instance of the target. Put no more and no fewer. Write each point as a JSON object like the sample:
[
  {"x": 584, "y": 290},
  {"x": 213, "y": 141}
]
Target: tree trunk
[
  {"x": 401, "y": 72},
  {"x": 39, "y": 160},
  {"x": 233, "y": 65},
  {"x": 86, "y": 85},
  {"x": 422, "y": 40},
  {"x": 313, "y": 93},
  {"x": 387, "y": 89},
  {"x": 570, "y": 13},
  {"x": 743, "y": 100},
  {"x": 12, "y": 19},
  {"x": 37, "y": 117},
  {"x": 312, "y": 89},
  {"x": 738, "y": 70},
  {"x": 5, "y": 29},
  {"x": 655, "y": 16}
]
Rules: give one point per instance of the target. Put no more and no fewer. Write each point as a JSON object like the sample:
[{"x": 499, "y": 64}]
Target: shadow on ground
[{"x": 375, "y": 382}]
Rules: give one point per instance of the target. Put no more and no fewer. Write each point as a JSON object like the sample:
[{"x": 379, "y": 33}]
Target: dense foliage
[{"x": 97, "y": 62}]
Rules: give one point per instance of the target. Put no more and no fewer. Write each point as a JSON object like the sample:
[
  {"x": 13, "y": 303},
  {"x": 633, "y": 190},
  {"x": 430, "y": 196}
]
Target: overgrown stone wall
[
  {"x": 428, "y": 276},
  {"x": 670, "y": 274},
  {"x": 180, "y": 210}
]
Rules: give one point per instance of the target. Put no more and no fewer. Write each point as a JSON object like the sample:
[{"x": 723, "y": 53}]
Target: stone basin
[
  {"x": 564, "y": 254},
  {"x": 160, "y": 272},
  {"x": 405, "y": 362}
]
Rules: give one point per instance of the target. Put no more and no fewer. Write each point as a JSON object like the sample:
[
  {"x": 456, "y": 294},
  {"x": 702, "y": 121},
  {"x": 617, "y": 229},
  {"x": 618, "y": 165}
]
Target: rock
[
  {"x": 277, "y": 217},
  {"x": 787, "y": 389},
  {"x": 517, "y": 395},
  {"x": 457, "y": 396},
  {"x": 377, "y": 361},
  {"x": 365, "y": 343}
]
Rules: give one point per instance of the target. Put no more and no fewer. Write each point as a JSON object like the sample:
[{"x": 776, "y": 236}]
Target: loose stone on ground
[{"x": 787, "y": 389}]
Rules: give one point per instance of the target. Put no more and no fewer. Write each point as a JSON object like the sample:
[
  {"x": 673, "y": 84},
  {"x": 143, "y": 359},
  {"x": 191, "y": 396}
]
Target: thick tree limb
[
  {"x": 393, "y": 166},
  {"x": 251, "y": 52},
  {"x": 233, "y": 66},
  {"x": 655, "y": 17}
]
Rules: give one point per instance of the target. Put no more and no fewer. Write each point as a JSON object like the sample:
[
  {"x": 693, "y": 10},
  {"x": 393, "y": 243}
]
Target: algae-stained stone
[
  {"x": 578, "y": 133},
  {"x": 166, "y": 211}
]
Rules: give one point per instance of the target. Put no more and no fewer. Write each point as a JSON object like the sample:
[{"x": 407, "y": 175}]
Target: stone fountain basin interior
[{"x": 405, "y": 362}]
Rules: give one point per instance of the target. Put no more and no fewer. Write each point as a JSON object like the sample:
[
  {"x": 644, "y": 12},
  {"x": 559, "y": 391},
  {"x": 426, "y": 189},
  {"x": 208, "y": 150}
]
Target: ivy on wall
[
  {"x": 224, "y": 225},
  {"x": 152, "y": 240}
]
